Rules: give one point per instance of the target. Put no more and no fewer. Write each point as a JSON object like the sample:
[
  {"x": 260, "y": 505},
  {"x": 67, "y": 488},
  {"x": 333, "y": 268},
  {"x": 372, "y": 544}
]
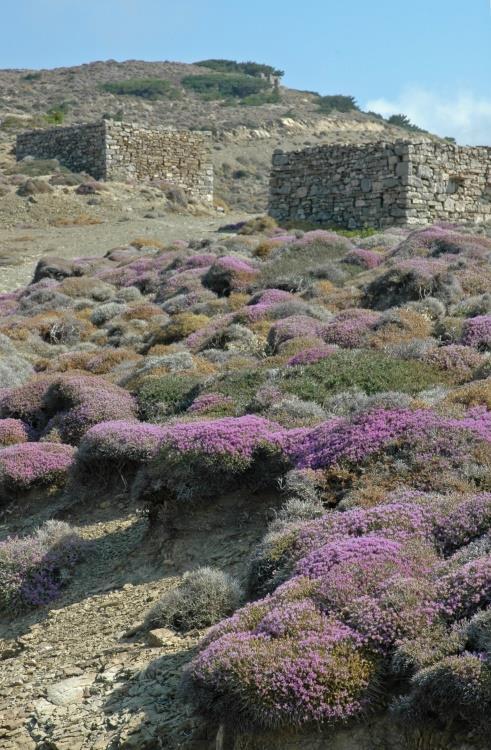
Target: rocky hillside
[
  {"x": 244, "y": 134},
  {"x": 245, "y": 494}
]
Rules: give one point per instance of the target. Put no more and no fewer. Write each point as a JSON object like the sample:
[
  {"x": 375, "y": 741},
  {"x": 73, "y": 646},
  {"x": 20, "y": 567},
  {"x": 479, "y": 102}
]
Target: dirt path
[{"x": 21, "y": 248}]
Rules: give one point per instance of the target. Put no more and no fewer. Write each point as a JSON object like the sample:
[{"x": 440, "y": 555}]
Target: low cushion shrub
[
  {"x": 34, "y": 569},
  {"x": 202, "y": 598},
  {"x": 28, "y": 466}
]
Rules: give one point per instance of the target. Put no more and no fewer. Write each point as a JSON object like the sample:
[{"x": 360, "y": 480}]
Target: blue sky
[{"x": 428, "y": 58}]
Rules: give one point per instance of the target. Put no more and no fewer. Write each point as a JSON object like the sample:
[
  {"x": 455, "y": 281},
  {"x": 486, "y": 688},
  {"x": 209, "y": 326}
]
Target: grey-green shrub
[{"x": 204, "y": 596}]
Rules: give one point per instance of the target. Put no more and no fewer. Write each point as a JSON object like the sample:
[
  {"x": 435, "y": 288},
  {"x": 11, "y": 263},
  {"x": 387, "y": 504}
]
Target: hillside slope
[{"x": 244, "y": 136}]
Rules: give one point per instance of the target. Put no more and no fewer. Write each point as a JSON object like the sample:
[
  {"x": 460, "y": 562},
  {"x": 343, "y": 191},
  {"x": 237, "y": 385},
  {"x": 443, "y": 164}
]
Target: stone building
[
  {"x": 382, "y": 184},
  {"x": 110, "y": 150}
]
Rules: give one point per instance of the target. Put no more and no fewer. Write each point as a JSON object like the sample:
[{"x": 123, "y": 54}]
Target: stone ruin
[
  {"x": 110, "y": 150},
  {"x": 382, "y": 184}
]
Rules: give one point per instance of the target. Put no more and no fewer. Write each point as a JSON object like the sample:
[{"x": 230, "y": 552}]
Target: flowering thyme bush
[
  {"x": 201, "y": 459},
  {"x": 364, "y": 258},
  {"x": 293, "y": 327},
  {"x": 13, "y": 431},
  {"x": 115, "y": 449},
  {"x": 65, "y": 406},
  {"x": 310, "y": 356},
  {"x": 349, "y": 327},
  {"x": 229, "y": 273},
  {"x": 29, "y": 466},
  {"x": 34, "y": 569},
  {"x": 477, "y": 332}
]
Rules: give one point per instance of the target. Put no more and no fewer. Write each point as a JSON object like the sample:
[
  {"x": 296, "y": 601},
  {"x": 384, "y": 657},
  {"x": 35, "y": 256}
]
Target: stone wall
[
  {"x": 120, "y": 151},
  {"x": 80, "y": 148},
  {"x": 181, "y": 157},
  {"x": 382, "y": 184}
]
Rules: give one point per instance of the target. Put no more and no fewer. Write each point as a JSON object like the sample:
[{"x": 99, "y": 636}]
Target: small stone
[
  {"x": 162, "y": 637},
  {"x": 71, "y": 690}
]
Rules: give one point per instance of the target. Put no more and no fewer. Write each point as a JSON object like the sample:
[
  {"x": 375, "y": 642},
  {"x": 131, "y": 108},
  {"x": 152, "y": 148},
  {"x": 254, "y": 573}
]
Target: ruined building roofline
[
  {"x": 383, "y": 144},
  {"x": 115, "y": 124}
]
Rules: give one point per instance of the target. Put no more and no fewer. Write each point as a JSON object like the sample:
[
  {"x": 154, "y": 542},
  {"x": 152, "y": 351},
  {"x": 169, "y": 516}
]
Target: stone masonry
[
  {"x": 110, "y": 150},
  {"x": 382, "y": 184}
]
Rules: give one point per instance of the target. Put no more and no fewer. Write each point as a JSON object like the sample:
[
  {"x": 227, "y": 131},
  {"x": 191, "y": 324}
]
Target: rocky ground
[{"x": 81, "y": 675}]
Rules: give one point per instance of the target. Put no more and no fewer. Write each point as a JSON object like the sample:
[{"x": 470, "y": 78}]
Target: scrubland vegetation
[{"x": 350, "y": 377}]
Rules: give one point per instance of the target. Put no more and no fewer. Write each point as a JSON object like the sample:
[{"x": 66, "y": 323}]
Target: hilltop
[{"x": 245, "y": 130}]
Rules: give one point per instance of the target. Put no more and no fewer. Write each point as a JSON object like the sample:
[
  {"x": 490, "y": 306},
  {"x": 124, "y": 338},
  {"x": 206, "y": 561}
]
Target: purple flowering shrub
[
  {"x": 311, "y": 355},
  {"x": 13, "y": 431},
  {"x": 229, "y": 273},
  {"x": 477, "y": 332},
  {"x": 376, "y": 577},
  {"x": 461, "y": 361},
  {"x": 204, "y": 458},
  {"x": 113, "y": 450},
  {"x": 29, "y": 466},
  {"x": 349, "y": 327},
  {"x": 367, "y": 259},
  {"x": 34, "y": 569},
  {"x": 212, "y": 404},
  {"x": 438, "y": 240},
  {"x": 292, "y": 327},
  {"x": 64, "y": 407}
]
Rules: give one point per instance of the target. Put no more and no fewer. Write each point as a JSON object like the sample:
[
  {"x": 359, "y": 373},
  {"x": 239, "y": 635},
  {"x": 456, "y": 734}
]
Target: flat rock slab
[
  {"x": 69, "y": 691},
  {"x": 163, "y": 637}
]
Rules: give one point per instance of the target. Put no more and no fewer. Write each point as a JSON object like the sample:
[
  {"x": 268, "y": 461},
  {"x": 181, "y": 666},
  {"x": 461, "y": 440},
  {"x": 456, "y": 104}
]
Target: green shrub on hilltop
[
  {"x": 256, "y": 70},
  {"x": 338, "y": 103},
  {"x": 403, "y": 121},
  {"x": 34, "y": 76},
  {"x": 146, "y": 88},
  {"x": 225, "y": 85}
]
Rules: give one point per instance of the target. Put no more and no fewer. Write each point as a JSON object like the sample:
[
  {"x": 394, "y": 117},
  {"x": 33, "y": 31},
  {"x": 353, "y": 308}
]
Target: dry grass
[
  {"x": 82, "y": 220},
  {"x": 140, "y": 242}
]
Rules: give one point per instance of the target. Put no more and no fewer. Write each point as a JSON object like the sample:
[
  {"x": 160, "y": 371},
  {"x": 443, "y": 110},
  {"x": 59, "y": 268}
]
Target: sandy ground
[{"x": 22, "y": 247}]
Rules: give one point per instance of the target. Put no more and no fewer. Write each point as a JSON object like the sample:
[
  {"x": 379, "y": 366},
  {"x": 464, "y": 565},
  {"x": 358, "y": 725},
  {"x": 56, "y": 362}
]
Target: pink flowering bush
[
  {"x": 374, "y": 576},
  {"x": 34, "y": 569},
  {"x": 295, "y": 326},
  {"x": 229, "y": 273},
  {"x": 348, "y": 329},
  {"x": 373, "y": 431},
  {"x": 113, "y": 450},
  {"x": 212, "y": 403},
  {"x": 477, "y": 332},
  {"x": 318, "y": 676},
  {"x": 205, "y": 458},
  {"x": 29, "y": 466},
  {"x": 440, "y": 240},
  {"x": 461, "y": 361},
  {"x": 64, "y": 407},
  {"x": 310, "y": 356},
  {"x": 13, "y": 431},
  {"x": 365, "y": 258}
]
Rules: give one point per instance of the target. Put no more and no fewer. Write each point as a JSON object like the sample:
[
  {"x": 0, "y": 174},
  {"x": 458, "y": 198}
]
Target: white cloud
[{"x": 464, "y": 115}]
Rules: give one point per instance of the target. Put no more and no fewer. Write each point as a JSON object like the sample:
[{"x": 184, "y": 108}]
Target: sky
[{"x": 430, "y": 59}]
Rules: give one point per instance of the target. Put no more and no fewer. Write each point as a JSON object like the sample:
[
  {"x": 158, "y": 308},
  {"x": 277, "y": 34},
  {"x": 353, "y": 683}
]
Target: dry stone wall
[
  {"x": 181, "y": 157},
  {"x": 80, "y": 148},
  {"x": 120, "y": 151},
  {"x": 382, "y": 184}
]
